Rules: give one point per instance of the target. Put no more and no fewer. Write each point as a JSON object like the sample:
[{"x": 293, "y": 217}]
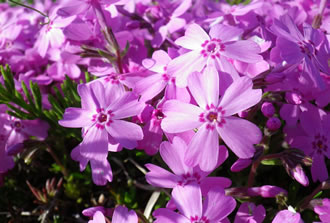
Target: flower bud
[
  {"x": 273, "y": 123},
  {"x": 268, "y": 109},
  {"x": 299, "y": 174}
]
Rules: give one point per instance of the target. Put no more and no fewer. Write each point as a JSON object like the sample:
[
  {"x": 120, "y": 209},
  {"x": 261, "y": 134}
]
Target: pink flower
[
  {"x": 52, "y": 33},
  {"x": 216, "y": 48},
  {"x": 100, "y": 116},
  {"x": 323, "y": 210},
  {"x": 287, "y": 216},
  {"x": 173, "y": 155},
  {"x": 249, "y": 212},
  {"x": 120, "y": 215},
  {"x": 214, "y": 117},
  {"x": 153, "y": 84},
  {"x": 215, "y": 207}
]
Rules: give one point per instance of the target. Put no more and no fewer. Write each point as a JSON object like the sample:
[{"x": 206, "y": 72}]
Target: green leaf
[
  {"x": 318, "y": 194},
  {"x": 20, "y": 113},
  {"x": 271, "y": 162},
  {"x": 8, "y": 79},
  {"x": 28, "y": 96},
  {"x": 36, "y": 95},
  {"x": 55, "y": 105}
]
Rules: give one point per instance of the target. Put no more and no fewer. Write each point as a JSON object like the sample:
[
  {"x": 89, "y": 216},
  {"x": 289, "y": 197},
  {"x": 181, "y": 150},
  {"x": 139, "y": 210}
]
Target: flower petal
[
  {"x": 126, "y": 133},
  {"x": 193, "y": 38},
  {"x": 180, "y": 117},
  {"x": 76, "y": 118},
  {"x": 122, "y": 215},
  {"x": 173, "y": 155},
  {"x": 225, "y": 33},
  {"x": 165, "y": 215},
  {"x": 188, "y": 200},
  {"x": 240, "y": 96},
  {"x": 240, "y": 135},
  {"x": 250, "y": 48},
  {"x": 181, "y": 67},
  {"x": 95, "y": 144},
  {"x": 205, "y": 86},
  {"x": 161, "y": 178},
  {"x": 101, "y": 172},
  {"x": 217, "y": 205},
  {"x": 203, "y": 149}
]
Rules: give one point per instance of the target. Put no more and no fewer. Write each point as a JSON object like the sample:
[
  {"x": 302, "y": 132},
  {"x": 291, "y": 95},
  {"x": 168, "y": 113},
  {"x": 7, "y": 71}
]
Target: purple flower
[
  {"x": 100, "y": 116},
  {"x": 215, "y": 206},
  {"x": 214, "y": 117},
  {"x": 296, "y": 48},
  {"x": 314, "y": 140}
]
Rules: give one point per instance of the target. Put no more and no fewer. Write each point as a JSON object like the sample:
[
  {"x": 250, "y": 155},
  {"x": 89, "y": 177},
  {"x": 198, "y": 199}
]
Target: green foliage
[{"x": 27, "y": 103}]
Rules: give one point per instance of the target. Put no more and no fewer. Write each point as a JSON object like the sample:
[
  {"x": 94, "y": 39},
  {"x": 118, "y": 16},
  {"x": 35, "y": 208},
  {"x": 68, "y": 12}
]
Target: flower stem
[
  {"x": 29, "y": 7},
  {"x": 58, "y": 162}
]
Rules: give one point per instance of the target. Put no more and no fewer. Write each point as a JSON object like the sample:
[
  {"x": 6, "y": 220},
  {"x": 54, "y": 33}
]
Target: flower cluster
[{"x": 187, "y": 79}]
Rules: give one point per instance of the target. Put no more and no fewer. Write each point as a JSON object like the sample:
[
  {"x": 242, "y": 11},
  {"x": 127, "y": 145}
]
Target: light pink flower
[
  {"x": 217, "y": 48},
  {"x": 100, "y": 116},
  {"x": 173, "y": 155},
  {"x": 214, "y": 117}
]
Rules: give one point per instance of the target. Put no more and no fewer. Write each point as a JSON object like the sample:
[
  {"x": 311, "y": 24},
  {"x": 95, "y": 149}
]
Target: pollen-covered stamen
[
  {"x": 102, "y": 118},
  {"x": 320, "y": 144},
  {"x": 196, "y": 219},
  {"x": 212, "y": 48}
]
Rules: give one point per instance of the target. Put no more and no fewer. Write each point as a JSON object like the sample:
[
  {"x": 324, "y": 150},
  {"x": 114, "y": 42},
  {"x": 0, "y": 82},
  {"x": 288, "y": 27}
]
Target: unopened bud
[
  {"x": 268, "y": 109},
  {"x": 273, "y": 123},
  {"x": 299, "y": 174}
]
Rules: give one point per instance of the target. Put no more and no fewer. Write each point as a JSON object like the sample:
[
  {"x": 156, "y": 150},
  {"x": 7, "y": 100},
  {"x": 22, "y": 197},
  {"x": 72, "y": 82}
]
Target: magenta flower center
[
  {"x": 17, "y": 125},
  {"x": 102, "y": 118},
  {"x": 114, "y": 78},
  {"x": 213, "y": 116},
  {"x": 197, "y": 219},
  {"x": 320, "y": 144},
  {"x": 189, "y": 178},
  {"x": 212, "y": 48},
  {"x": 307, "y": 48}
]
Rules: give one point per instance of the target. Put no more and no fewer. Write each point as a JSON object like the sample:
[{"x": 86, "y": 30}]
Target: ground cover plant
[{"x": 174, "y": 111}]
